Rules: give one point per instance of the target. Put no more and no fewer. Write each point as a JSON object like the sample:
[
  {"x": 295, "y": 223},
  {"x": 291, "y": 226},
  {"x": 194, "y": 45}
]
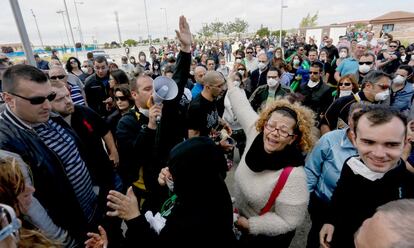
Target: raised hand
[
  {"x": 124, "y": 206},
  {"x": 184, "y": 35}
]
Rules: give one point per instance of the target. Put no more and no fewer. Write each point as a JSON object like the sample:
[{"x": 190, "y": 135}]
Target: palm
[{"x": 184, "y": 35}]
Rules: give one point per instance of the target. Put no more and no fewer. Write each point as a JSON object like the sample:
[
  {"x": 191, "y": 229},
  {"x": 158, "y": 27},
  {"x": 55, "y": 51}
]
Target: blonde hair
[
  {"x": 304, "y": 125},
  {"x": 11, "y": 182}
]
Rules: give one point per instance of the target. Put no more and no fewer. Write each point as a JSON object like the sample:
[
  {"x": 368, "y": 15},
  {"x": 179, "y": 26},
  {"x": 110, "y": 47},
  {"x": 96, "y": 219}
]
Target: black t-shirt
[
  {"x": 202, "y": 116},
  {"x": 392, "y": 66}
]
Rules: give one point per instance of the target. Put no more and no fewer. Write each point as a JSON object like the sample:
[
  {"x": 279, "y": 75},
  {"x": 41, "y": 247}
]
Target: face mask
[
  {"x": 238, "y": 61},
  {"x": 364, "y": 68},
  {"x": 271, "y": 82},
  {"x": 296, "y": 61},
  {"x": 223, "y": 66},
  {"x": 236, "y": 83},
  {"x": 170, "y": 184},
  {"x": 84, "y": 70},
  {"x": 192, "y": 73},
  {"x": 262, "y": 66},
  {"x": 156, "y": 67},
  {"x": 403, "y": 57},
  {"x": 142, "y": 58},
  {"x": 132, "y": 61},
  {"x": 399, "y": 79},
  {"x": 312, "y": 84},
  {"x": 271, "y": 49},
  {"x": 343, "y": 54},
  {"x": 345, "y": 93},
  {"x": 382, "y": 96},
  {"x": 322, "y": 59},
  {"x": 241, "y": 72}
]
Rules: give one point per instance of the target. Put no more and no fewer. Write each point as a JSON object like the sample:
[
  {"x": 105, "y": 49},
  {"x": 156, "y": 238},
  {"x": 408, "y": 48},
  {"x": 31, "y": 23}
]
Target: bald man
[{"x": 199, "y": 73}]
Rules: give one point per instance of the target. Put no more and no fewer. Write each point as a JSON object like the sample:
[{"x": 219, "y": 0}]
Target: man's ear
[
  {"x": 8, "y": 99},
  {"x": 353, "y": 137}
]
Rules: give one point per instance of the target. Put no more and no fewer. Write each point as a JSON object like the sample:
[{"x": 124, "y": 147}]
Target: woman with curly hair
[{"x": 277, "y": 140}]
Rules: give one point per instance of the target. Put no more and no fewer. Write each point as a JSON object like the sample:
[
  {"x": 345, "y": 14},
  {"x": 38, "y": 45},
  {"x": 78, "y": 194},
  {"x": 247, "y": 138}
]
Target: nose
[
  {"x": 30, "y": 189},
  {"x": 378, "y": 151}
]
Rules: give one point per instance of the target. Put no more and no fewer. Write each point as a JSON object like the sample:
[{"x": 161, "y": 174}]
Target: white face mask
[
  {"x": 262, "y": 66},
  {"x": 271, "y": 49},
  {"x": 403, "y": 57},
  {"x": 343, "y": 55},
  {"x": 345, "y": 93},
  {"x": 296, "y": 61},
  {"x": 271, "y": 82},
  {"x": 382, "y": 96},
  {"x": 364, "y": 68},
  {"x": 241, "y": 72},
  {"x": 142, "y": 58},
  {"x": 238, "y": 61},
  {"x": 398, "y": 80},
  {"x": 192, "y": 73},
  {"x": 84, "y": 70},
  {"x": 312, "y": 84},
  {"x": 223, "y": 66}
]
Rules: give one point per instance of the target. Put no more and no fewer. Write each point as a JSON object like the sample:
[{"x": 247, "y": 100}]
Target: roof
[{"x": 395, "y": 15}]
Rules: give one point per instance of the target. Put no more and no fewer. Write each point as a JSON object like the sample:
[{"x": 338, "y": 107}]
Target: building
[{"x": 400, "y": 24}]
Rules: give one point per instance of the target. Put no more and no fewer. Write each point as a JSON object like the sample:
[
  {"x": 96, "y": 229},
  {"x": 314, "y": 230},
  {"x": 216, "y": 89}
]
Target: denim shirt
[
  {"x": 401, "y": 100},
  {"x": 324, "y": 163}
]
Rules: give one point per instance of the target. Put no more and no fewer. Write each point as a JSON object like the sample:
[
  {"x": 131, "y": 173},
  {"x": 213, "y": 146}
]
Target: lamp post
[
  {"x": 281, "y": 21},
  {"x": 64, "y": 23},
  {"x": 146, "y": 19},
  {"x": 70, "y": 28},
  {"x": 79, "y": 23},
  {"x": 38, "y": 31},
  {"x": 166, "y": 22}
]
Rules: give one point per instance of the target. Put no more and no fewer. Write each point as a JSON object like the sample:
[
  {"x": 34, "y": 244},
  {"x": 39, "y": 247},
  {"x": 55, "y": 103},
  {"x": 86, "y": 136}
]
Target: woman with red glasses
[{"x": 347, "y": 85}]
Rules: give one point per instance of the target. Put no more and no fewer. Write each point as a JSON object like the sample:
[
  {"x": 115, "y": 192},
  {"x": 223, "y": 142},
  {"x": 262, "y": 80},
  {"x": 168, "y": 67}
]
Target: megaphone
[{"x": 164, "y": 88}]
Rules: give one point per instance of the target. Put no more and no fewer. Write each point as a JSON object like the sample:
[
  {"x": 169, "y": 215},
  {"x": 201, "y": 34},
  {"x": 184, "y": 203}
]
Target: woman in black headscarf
[{"x": 201, "y": 210}]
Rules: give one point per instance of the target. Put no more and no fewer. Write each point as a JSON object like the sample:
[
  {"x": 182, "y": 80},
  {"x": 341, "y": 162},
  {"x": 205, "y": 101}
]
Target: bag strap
[{"x": 278, "y": 188}]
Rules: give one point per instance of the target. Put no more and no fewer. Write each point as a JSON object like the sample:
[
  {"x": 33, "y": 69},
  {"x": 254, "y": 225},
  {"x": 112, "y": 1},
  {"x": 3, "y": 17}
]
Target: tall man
[{"x": 59, "y": 164}]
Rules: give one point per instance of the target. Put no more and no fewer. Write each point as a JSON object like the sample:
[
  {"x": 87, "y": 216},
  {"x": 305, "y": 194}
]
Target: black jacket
[
  {"x": 317, "y": 98},
  {"x": 96, "y": 92},
  {"x": 259, "y": 96},
  {"x": 53, "y": 188},
  {"x": 257, "y": 79}
]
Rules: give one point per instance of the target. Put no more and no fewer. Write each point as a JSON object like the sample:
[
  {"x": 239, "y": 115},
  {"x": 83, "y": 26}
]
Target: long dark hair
[
  {"x": 120, "y": 76},
  {"x": 69, "y": 67}
]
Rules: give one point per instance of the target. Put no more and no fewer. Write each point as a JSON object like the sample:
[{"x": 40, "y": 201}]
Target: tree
[
  {"x": 227, "y": 29},
  {"x": 48, "y": 48},
  {"x": 277, "y": 32},
  {"x": 239, "y": 26},
  {"x": 217, "y": 27},
  {"x": 360, "y": 26},
  {"x": 131, "y": 43},
  {"x": 205, "y": 31},
  {"x": 106, "y": 45},
  {"x": 309, "y": 21},
  {"x": 262, "y": 32}
]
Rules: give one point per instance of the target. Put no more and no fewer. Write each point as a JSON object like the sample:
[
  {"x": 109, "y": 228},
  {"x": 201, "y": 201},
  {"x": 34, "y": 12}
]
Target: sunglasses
[
  {"x": 73, "y": 62},
  {"x": 60, "y": 77},
  {"x": 393, "y": 46},
  {"x": 121, "y": 98},
  {"x": 314, "y": 72},
  {"x": 344, "y": 84},
  {"x": 367, "y": 62},
  {"x": 249, "y": 52},
  {"x": 36, "y": 100}
]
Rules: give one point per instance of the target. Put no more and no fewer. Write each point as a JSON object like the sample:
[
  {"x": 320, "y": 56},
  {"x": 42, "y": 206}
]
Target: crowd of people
[{"x": 325, "y": 129}]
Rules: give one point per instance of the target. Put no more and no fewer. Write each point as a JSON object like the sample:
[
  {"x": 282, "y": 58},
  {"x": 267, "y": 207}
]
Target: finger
[
  {"x": 117, "y": 194},
  {"x": 115, "y": 200},
  {"x": 113, "y": 206},
  {"x": 102, "y": 232},
  {"x": 112, "y": 213}
]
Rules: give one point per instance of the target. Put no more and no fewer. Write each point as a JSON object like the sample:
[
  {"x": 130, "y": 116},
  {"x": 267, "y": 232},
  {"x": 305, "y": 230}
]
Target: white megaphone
[{"x": 164, "y": 88}]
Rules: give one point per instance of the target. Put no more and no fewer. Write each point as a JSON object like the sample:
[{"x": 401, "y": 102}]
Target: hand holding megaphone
[
  {"x": 164, "y": 88},
  {"x": 154, "y": 115}
]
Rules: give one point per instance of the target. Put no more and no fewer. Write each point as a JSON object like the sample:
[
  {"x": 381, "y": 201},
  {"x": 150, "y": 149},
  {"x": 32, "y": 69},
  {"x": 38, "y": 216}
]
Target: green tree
[
  {"x": 131, "y": 43},
  {"x": 107, "y": 45},
  {"x": 262, "y": 32},
  {"x": 217, "y": 27},
  {"x": 309, "y": 21},
  {"x": 360, "y": 26},
  {"x": 205, "y": 31},
  {"x": 276, "y": 33},
  {"x": 227, "y": 30},
  {"x": 48, "y": 48},
  {"x": 239, "y": 26}
]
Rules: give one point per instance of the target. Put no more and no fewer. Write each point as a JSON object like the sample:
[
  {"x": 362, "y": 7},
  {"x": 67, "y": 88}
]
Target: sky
[{"x": 97, "y": 17}]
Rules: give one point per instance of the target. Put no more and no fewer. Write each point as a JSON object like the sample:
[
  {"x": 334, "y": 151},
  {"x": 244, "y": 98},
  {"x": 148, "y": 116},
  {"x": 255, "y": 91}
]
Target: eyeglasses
[
  {"x": 60, "y": 77},
  {"x": 344, "y": 84},
  {"x": 121, "y": 98},
  {"x": 314, "y": 72},
  {"x": 10, "y": 225},
  {"x": 36, "y": 100},
  {"x": 383, "y": 86},
  {"x": 366, "y": 62},
  {"x": 249, "y": 52},
  {"x": 393, "y": 46},
  {"x": 238, "y": 58},
  {"x": 282, "y": 131},
  {"x": 73, "y": 62}
]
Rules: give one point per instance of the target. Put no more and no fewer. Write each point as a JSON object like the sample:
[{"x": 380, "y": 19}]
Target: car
[
  {"x": 43, "y": 54},
  {"x": 97, "y": 53}
]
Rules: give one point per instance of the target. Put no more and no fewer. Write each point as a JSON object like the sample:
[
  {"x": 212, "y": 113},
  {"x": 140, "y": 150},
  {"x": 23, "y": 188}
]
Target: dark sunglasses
[
  {"x": 249, "y": 52},
  {"x": 73, "y": 61},
  {"x": 121, "y": 98},
  {"x": 392, "y": 46},
  {"x": 314, "y": 72},
  {"x": 36, "y": 100},
  {"x": 367, "y": 62},
  {"x": 344, "y": 84},
  {"x": 60, "y": 77}
]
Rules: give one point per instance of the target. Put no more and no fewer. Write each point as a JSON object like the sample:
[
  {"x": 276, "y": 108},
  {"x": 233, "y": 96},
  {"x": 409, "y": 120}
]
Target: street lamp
[
  {"x": 38, "y": 31},
  {"x": 146, "y": 19},
  {"x": 281, "y": 21},
  {"x": 79, "y": 23},
  {"x": 166, "y": 22},
  {"x": 64, "y": 23},
  {"x": 70, "y": 28}
]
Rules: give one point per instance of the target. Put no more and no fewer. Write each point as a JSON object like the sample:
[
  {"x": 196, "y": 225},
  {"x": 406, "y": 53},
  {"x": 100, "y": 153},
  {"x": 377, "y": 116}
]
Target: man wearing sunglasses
[
  {"x": 58, "y": 74},
  {"x": 366, "y": 64},
  {"x": 59, "y": 164},
  {"x": 389, "y": 60}
]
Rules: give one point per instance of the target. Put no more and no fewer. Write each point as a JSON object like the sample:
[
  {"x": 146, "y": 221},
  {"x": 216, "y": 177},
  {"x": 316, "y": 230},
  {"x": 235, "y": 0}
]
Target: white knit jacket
[{"x": 252, "y": 190}]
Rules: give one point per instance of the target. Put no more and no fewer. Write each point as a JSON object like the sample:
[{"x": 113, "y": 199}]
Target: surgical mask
[
  {"x": 14, "y": 225},
  {"x": 399, "y": 80},
  {"x": 262, "y": 66},
  {"x": 238, "y": 61},
  {"x": 142, "y": 58},
  {"x": 343, "y": 54},
  {"x": 223, "y": 66},
  {"x": 132, "y": 61},
  {"x": 170, "y": 184},
  {"x": 236, "y": 83},
  {"x": 296, "y": 61},
  {"x": 192, "y": 73},
  {"x": 364, "y": 68},
  {"x": 84, "y": 70},
  {"x": 345, "y": 93},
  {"x": 271, "y": 49},
  {"x": 271, "y": 82},
  {"x": 382, "y": 96},
  {"x": 403, "y": 57},
  {"x": 312, "y": 84}
]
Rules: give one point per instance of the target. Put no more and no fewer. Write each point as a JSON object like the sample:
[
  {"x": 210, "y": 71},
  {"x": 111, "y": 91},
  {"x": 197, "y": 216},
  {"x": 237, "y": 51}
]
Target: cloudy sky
[{"x": 98, "y": 19}]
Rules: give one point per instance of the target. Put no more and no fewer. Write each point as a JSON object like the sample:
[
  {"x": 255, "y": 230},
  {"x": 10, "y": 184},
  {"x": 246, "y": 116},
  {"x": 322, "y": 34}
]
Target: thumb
[
  {"x": 329, "y": 236},
  {"x": 130, "y": 193},
  {"x": 102, "y": 231},
  {"x": 177, "y": 33}
]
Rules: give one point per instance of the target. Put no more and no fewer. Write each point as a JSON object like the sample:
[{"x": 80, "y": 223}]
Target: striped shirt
[
  {"x": 63, "y": 144},
  {"x": 76, "y": 95}
]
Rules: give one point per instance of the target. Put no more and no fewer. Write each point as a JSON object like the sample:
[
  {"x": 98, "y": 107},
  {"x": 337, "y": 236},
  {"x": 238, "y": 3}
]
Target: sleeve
[
  {"x": 331, "y": 115},
  {"x": 242, "y": 109},
  {"x": 314, "y": 163},
  {"x": 289, "y": 210},
  {"x": 194, "y": 117},
  {"x": 140, "y": 232},
  {"x": 340, "y": 68}
]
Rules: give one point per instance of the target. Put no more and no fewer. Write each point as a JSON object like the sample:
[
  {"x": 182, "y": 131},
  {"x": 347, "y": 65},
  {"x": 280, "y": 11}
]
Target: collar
[
  {"x": 9, "y": 116},
  {"x": 359, "y": 168},
  {"x": 345, "y": 141},
  {"x": 144, "y": 111}
]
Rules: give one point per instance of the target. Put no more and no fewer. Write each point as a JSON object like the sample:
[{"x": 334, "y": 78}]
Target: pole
[
  {"x": 117, "y": 25},
  {"x": 281, "y": 23},
  {"x": 38, "y": 31},
  {"x": 64, "y": 24},
  {"x": 146, "y": 19},
  {"x": 79, "y": 23},
  {"x": 166, "y": 22},
  {"x": 70, "y": 28},
  {"x": 22, "y": 31}
]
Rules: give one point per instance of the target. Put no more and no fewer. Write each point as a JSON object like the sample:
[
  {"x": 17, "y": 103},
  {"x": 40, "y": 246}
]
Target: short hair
[
  {"x": 89, "y": 55},
  {"x": 212, "y": 59},
  {"x": 120, "y": 76},
  {"x": 36, "y": 55},
  {"x": 317, "y": 64},
  {"x": 100, "y": 59},
  {"x": 354, "y": 82},
  {"x": 69, "y": 67},
  {"x": 378, "y": 114},
  {"x": 400, "y": 217},
  {"x": 313, "y": 50},
  {"x": 169, "y": 68},
  {"x": 374, "y": 76},
  {"x": 13, "y": 75},
  {"x": 407, "y": 68},
  {"x": 357, "y": 105},
  {"x": 279, "y": 73},
  {"x": 369, "y": 54},
  {"x": 134, "y": 85}
]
